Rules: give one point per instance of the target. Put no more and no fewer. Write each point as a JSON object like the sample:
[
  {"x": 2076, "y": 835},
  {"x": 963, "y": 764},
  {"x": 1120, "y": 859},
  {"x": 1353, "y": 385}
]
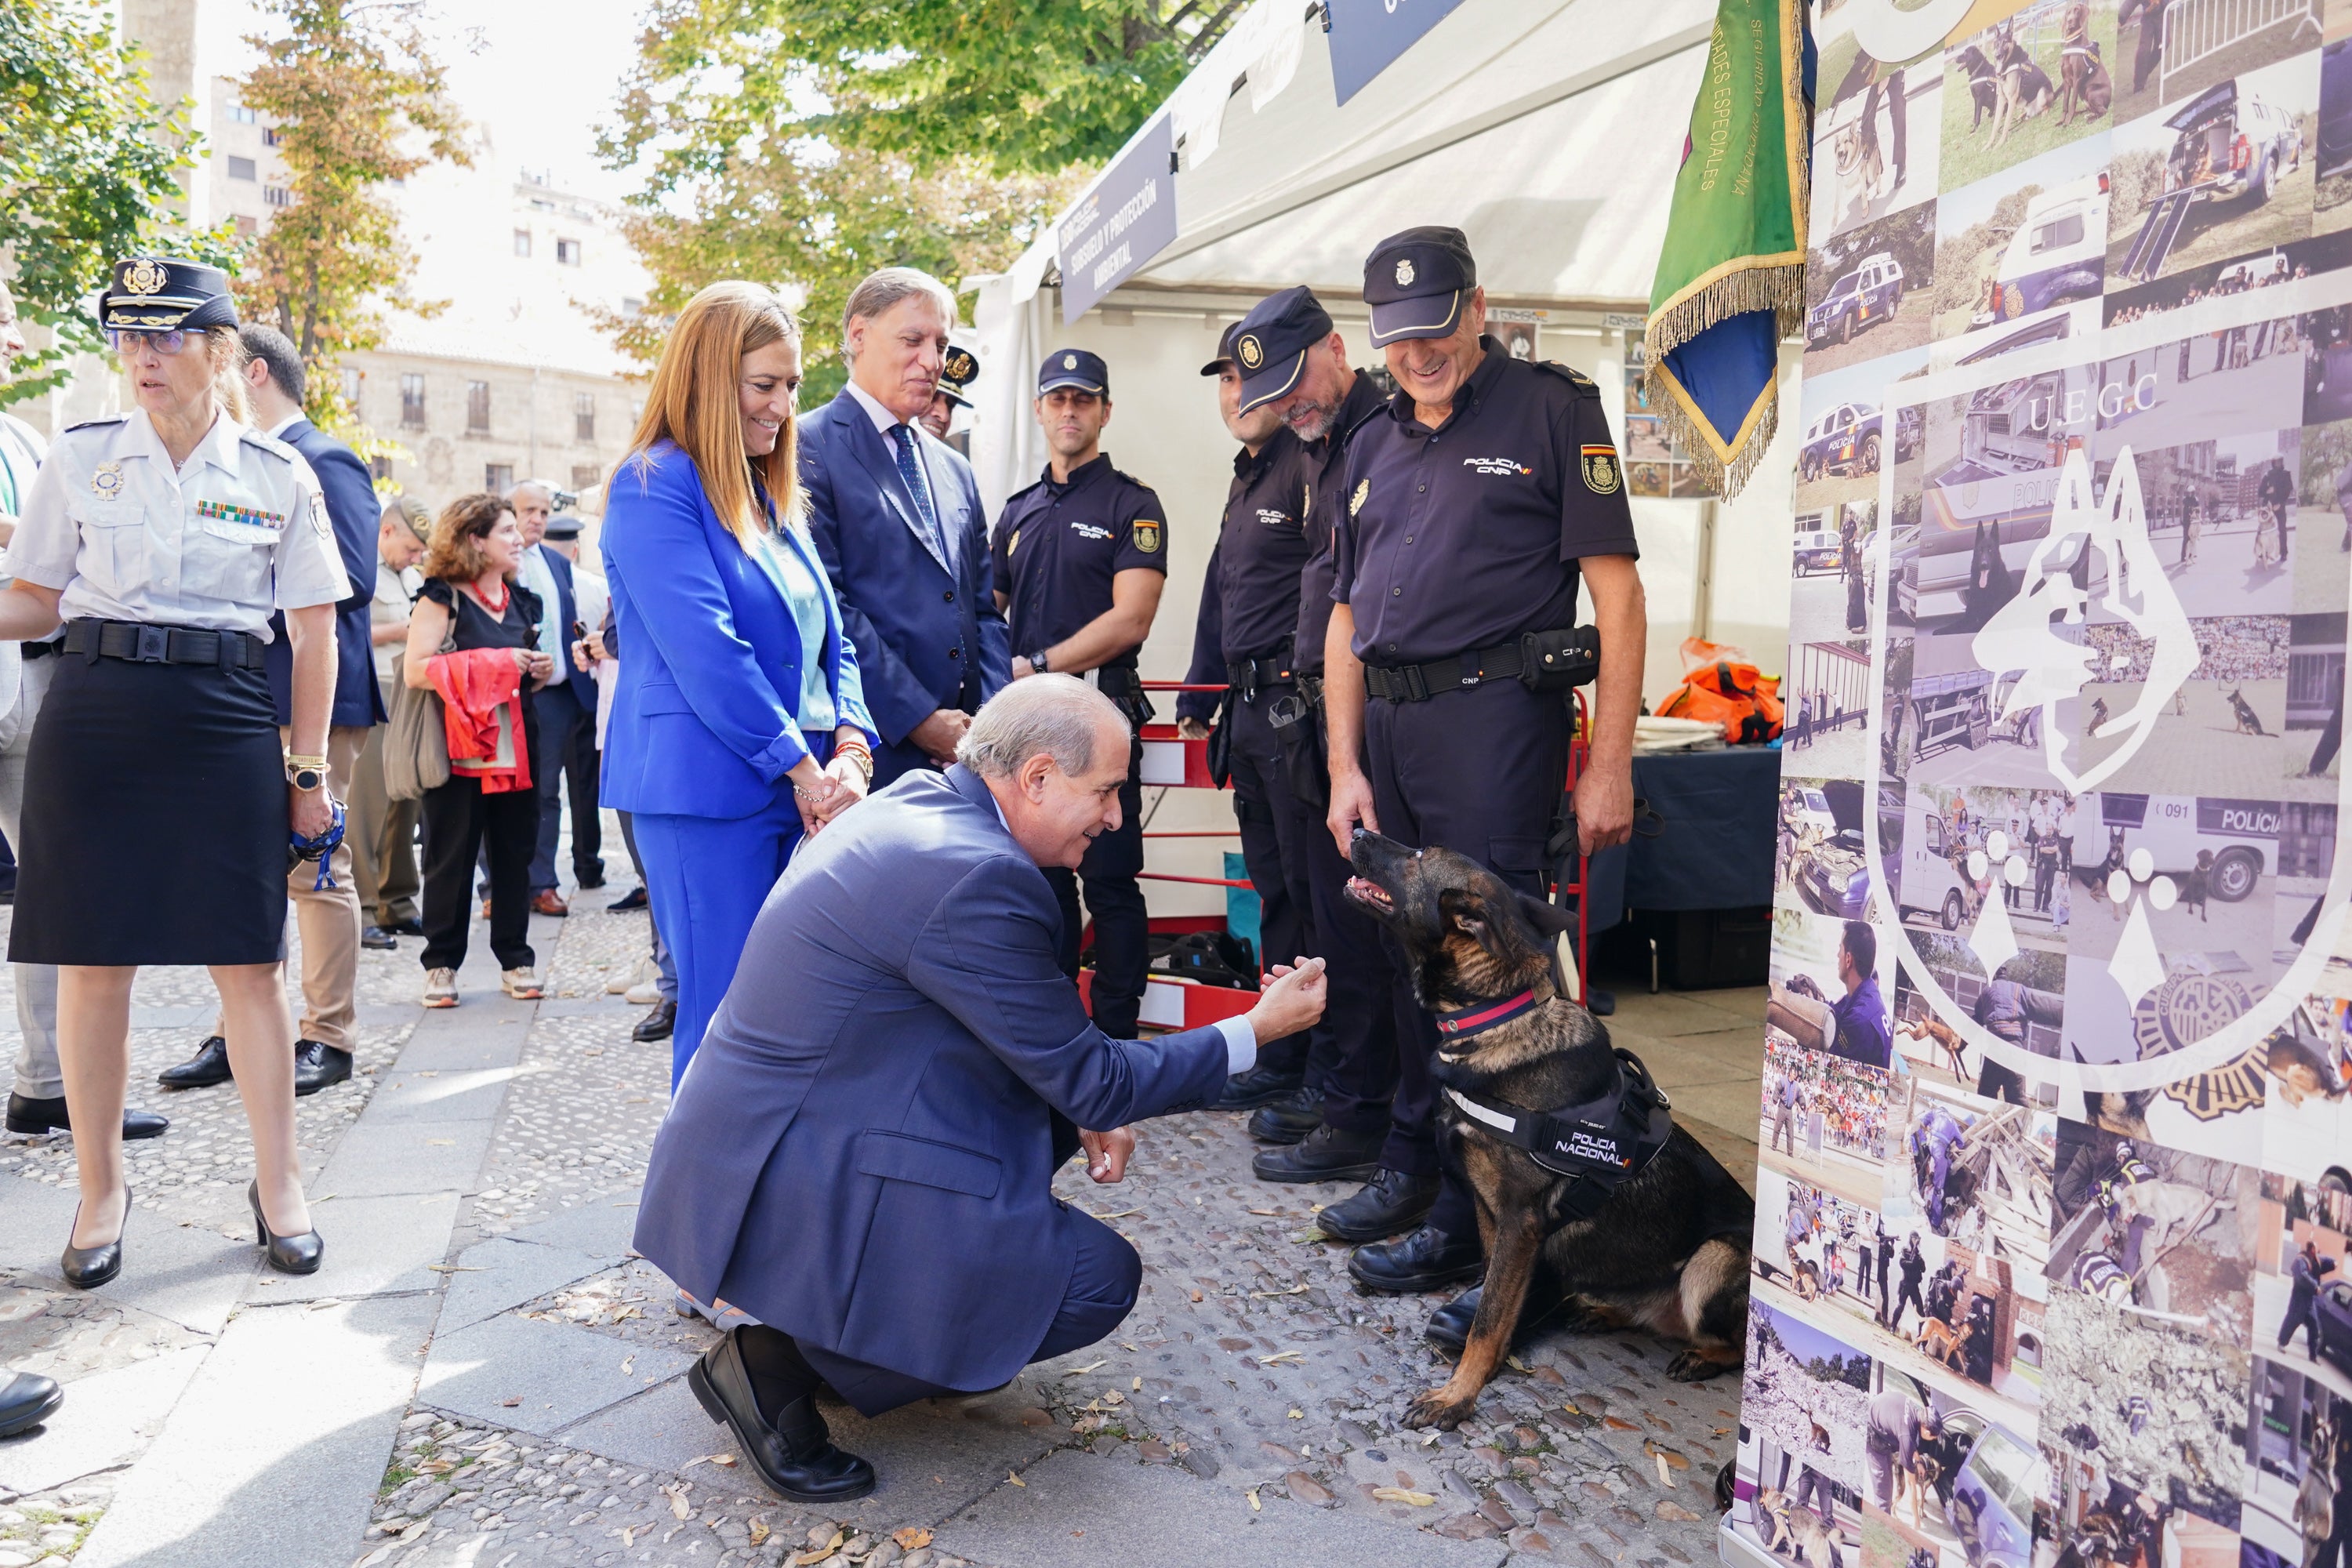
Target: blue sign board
[
  {"x": 1125, "y": 220},
  {"x": 1367, "y": 36}
]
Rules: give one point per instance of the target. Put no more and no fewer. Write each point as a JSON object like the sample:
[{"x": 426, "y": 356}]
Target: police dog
[
  {"x": 2025, "y": 87},
  {"x": 1860, "y": 165},
  {"x": 1945, "y": 1038},
  {"x": 1669, "y": 1249},
  {"x": 1984, "y": 90},
  {"x": 2249, "y": 721},
  {"x": 2083, "y": 84},
  {"x": 1796, "y": 1529}
]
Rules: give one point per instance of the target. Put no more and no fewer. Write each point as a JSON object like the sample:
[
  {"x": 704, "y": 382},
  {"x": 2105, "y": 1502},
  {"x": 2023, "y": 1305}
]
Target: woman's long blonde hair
[
  {"x": 226, "y": 350},
  {"x": 693, "y": 402}
]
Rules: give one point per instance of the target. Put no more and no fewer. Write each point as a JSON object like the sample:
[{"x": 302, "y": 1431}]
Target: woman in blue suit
[{"x": 737, "y": 722}]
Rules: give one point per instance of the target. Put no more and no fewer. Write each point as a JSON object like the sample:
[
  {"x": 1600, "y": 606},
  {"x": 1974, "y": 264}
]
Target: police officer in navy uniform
[
  {"x": 958, "y": 369},
  {"x": 1081, "y": 557},
  {"x": 1476, "y": 502},
  {"x": 1240, "y": 640}
]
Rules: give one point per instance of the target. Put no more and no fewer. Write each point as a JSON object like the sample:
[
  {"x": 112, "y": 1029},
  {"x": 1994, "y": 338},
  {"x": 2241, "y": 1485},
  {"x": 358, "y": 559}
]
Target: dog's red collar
[{"x": 1477, "y": 1020}]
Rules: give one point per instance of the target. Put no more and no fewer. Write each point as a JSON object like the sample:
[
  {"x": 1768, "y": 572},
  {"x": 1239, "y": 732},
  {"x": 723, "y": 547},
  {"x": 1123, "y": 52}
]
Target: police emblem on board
[
  {"x": 106, "y": 481},
  {"x": 1600, "y": 469},
  {"x": 1404, "y": 272},
  {"x": 144, "y": 276},
  {"x": 1146, "y": 536},
  {"x": 1363, "y": 492},
  {"x": 1251, "y": 355}
]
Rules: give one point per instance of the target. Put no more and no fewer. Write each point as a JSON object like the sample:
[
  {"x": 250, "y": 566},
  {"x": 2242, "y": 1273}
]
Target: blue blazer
[
  {"x": 860, "y": 1153},
  {"x": 703, "y": 707},
  {"x": 919, "y": 625},
  {"x": 357, "y": 515}
]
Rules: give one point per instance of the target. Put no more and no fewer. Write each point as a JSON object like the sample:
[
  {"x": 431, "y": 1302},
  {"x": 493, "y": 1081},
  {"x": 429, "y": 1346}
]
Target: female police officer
[{"x": 158, "y": 803}]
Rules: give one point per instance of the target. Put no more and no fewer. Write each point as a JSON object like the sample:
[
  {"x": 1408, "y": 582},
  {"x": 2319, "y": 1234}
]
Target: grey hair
[
  {"x": 880, "y": 291},
  {"x": 1056, "y": 714},
  {"x": 541, "y": 486}
]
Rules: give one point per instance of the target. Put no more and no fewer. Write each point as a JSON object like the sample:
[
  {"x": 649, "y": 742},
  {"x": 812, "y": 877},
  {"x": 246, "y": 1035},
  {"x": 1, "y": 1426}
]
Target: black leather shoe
[
  {"x": 208, "y": 1067},
  {"x": 26, "y": 1400},
  {"x": 1259, "y": 1086},
  {"x": 634, "y": 899},
  {"x": 1326, "y": 1154},
  {"x": 795, "y": 1453},
  {"x": 590, "y": 879},
  {"x": 38, "y": 1116},
  {"x": 287, "y": 1254},
  {"x": 88, "y": 1267},
  {"x": 1450, "y": 1325},
  {"x": 317, "y": 1064},
  {"x": 1390, "y": 1204},
  {"x": 412, "y": 926},
  {"x": 657, "y": 1024},
  {"x": 1428, "y": 1259},
  {"x": 378, "y": 939},
  {"x": 1289, "y": 1118}
]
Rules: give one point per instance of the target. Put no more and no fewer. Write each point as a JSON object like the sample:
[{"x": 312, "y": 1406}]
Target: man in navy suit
[
  {"x": 566, "y": 704},
  {"x": 860, "y": 1155},
  {"x": 896, "y": 518},
  {"x": 328, "y": 916}
]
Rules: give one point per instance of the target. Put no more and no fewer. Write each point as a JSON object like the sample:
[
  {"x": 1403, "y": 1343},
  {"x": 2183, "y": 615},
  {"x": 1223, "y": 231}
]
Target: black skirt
[{"x": 154, "y": 823}]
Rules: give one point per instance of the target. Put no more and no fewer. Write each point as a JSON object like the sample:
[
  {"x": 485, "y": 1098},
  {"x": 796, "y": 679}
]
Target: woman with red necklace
[{"x": 471, "y": 639}]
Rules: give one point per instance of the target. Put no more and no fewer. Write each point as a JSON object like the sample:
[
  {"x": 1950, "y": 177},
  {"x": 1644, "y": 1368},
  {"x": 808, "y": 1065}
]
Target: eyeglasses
[{"x": 121, "y": 340}]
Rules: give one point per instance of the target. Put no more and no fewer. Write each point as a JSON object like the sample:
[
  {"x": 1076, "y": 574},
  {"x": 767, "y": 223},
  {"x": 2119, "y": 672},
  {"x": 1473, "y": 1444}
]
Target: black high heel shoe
[
  {"x": 88, "y": 1267},
  {"x": 287, "y": 1254}
]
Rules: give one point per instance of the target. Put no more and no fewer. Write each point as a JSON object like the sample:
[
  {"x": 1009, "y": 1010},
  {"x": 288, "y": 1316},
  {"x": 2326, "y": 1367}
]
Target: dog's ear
[
  {"x": 1545, "y": 916},
  {"x": 1463, "y": 912}
]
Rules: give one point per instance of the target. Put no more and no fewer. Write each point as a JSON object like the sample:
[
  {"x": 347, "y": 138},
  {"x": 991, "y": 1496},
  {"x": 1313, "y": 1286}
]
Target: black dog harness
[{"x": 1599, "y": 1144}]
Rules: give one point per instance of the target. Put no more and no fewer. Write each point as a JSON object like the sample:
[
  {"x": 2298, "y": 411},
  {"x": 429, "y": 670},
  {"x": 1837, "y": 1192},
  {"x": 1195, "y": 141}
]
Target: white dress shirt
[{"x": 885, "y": 422}]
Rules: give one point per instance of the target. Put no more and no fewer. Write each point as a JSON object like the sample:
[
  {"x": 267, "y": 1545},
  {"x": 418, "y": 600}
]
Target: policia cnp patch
[
  {"x": 1146, "y": 535},
  {"x": 1600, "y": 469}
]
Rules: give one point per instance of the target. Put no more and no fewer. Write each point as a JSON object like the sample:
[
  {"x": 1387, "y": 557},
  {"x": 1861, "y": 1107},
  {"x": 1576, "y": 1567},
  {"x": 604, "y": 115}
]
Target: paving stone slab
[
  {"x": 271, "y": 1456},
  {"x": 603, "y": 1226},
  {"x": 375, "y": 1247},
  {"x": 1155, "y": 1516},
  {"x": 396, "y": 1159},
  {"x": 554, "y": 1373},
  {"x": 107, "y": 1417},
  {"x": 457, "y": 1094},
  {"x": 474, "y": 1049},
  {"x": 192, "y": 1274},
  {"x": 500, "y": 1273}
]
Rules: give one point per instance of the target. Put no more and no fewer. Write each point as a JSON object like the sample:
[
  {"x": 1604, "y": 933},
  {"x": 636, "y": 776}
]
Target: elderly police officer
[
  {"x": 1475, "y": 504},
  {"x": 1241, "y": 640},
  {"x": 163, "y": 538},
  {"x": 1080, "y": 558}
]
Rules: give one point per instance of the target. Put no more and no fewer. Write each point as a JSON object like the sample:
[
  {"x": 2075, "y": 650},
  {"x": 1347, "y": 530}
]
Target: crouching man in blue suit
[{"x": 859, "y": 1156}]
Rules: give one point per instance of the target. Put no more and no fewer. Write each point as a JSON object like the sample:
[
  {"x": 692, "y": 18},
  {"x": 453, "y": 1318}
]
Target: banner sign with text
[
  {"x": 1125, "y": 220},
  {"x": 1367, "y": 36}
]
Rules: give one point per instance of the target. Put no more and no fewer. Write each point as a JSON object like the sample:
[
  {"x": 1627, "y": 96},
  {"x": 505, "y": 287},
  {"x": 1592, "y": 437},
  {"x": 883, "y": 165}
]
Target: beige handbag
[{"x": 416, "y": 744}]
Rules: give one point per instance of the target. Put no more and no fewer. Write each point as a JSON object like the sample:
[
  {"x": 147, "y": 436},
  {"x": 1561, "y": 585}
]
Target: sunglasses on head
[{"x": 121, "y": 340}]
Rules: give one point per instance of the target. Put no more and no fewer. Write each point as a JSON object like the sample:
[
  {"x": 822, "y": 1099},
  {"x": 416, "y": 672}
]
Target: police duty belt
[
  {"x": 1598, "y": 1145},
  {"x": 1542, "y": 661}
]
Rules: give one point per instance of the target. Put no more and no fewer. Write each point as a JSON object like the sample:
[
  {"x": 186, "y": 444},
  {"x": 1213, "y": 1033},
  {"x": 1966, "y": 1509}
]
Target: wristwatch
[
  {"x": 306, "y": 773},
  {"x": 1037, "y": 662}
]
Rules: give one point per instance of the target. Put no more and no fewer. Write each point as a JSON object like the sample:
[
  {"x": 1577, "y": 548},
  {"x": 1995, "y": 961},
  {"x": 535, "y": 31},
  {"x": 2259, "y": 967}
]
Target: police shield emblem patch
[
  {"x": 106, "y": 481},
  {"x": 1146, "y": 535},
  {"x": 144, "y": 276},
  {"x": 1600, "y": 470},
  {"x": 1252, "y": 356},
  {"x": 1356, "y": 502},
  {"x": 1404, "y": 272}
]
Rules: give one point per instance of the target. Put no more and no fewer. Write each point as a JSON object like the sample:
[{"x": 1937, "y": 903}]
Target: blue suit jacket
[
  {"x": 861, "y": 1151},
  {"x": 703, "y": 707},
  {"x": 357, "y": 516},
  {"x": 567, "y": 612},
  {"x": 919, "y": 626}
]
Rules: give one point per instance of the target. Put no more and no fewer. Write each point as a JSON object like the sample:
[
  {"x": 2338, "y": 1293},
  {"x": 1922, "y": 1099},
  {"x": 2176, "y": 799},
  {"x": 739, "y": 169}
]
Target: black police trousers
[
  {"x": 1122, "y": 945},
  {"x": 1477, "y": 770},
  {"x": 1300, "y": 878}
]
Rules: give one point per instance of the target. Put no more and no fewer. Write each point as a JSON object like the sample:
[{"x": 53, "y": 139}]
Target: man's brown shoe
[{"x": 549, "y": 902}]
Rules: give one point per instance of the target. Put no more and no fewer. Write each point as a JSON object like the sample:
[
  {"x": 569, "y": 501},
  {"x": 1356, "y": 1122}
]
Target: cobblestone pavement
[{"x": 1247, "y": 1411}]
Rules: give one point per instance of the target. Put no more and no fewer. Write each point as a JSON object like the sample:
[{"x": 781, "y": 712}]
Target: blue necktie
[{"x": 910, "y": 469}]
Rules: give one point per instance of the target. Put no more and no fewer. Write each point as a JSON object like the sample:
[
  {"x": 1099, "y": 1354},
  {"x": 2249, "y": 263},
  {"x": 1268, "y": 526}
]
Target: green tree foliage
[
  {"x": 88, "y": 161},
  {"x": 1967, "y": 260},
  {"x": 358, "y": 99}
]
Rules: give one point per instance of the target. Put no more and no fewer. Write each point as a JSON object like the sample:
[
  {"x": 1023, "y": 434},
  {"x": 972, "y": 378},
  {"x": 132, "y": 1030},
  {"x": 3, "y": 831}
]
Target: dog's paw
[
  {"x": 1691, "y": 1366},
  {"x": 1434, "y": 1409},
  {"x": 1577, "y": 1317}
]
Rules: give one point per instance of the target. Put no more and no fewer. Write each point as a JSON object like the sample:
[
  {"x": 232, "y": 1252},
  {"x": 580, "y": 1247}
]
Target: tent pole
[{"x": 1703, "y": 579}]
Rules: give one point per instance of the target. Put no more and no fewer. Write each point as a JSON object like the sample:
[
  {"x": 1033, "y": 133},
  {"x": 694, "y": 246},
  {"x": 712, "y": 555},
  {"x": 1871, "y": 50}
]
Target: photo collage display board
[{"x": 2056, "y": 1174}]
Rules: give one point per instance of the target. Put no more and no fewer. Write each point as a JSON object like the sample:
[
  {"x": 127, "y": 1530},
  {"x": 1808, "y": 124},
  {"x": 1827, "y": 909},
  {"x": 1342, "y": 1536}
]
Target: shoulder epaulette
[
  {"x": 99, "y": 424},
  {"x": 1573, "y": 376},
  {"x": 266, "y": 443}
]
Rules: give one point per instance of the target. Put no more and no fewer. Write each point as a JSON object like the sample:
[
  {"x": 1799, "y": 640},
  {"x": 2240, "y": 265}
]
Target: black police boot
[
  {"x": 208, "y": 1067},
  {"x": 1259, "y": 1086},
  {"x": 1449, "y": 1326},
  {"x": 317, "y": 1064},
  {"x": 1428, "y": 1259},
  {"x": 1326, "y": 1154},
  {"x": 1289, "y": 1118},
  {"x": 1391, "y": 1203},
  {"x": 792, "y": 1449},
  {"x": 657, "y": 1024},
  {"x": 34, "y": 1117}
]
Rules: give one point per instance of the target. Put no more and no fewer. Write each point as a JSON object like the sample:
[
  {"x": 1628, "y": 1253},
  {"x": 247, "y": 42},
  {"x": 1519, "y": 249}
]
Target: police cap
[
  {"x": 1224, "y": 350},
  {"x": 563, "y": 525},
  {"x": 1416, "y": 282},
  {"x": 1074, "y": 367},
  {"x": 958, "y": 371},
  {"x": 1270, "y": 346},
  {"x": 151, "y": 295}
]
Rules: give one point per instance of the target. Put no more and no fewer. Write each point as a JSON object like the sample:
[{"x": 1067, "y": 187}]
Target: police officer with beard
[{"x": 1476, "y": 502}]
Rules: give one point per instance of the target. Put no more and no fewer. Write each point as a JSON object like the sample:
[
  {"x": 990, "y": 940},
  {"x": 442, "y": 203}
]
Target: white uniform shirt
[
  {"x": 395, "y": 598},
  {"x": 218, "y": 543}
]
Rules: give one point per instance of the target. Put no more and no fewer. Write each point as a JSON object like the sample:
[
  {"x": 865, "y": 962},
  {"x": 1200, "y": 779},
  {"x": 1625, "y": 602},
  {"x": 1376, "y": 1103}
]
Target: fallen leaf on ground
[
  {"x": 1253, "y": 1504},
  {"x": 1399, "y": 1494},
  {"x": 628, "y": 1361},
  {"x": 455, "y": 1268},
  {"x": 1665, "y": 1477},
  {"x": 1516, "y": 1363},
  {"x": 1265, "y": 1295},
  {"x": 1077, "y": 1370},
  {"x": 1278, "y": 1357},
  {"x": 1016, "y": 1480},
  {"x": 914, "y": 1537},
  {"x": 677, "y": 1505},
  {"x": 759, "y": 1530},
  {"x": 628, "y": 1537},
  {"x": 1122, "y": 1213}
]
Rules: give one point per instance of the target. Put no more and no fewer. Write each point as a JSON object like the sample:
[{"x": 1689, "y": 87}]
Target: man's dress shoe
[
  {"x": 1245, "y": 1090},
  {"x": 317, "y": 1064},
  {"x": 795, "y": 1453},
  {"x": 208, "y": 1067},
  {"x": 37, "y": 1116}
]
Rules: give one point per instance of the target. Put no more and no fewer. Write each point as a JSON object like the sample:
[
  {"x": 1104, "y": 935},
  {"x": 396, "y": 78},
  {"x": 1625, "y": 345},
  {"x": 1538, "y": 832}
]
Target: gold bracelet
[{"x": 296, "y": 761}]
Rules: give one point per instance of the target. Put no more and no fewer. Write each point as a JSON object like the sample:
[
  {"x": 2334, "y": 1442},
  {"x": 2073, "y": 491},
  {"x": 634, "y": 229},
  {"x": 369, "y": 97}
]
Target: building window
[
  {"x": 246, "y": 223},
  {"x": 240, "y": 114},
  {"x": 567, "y": 253},
  {"x": 242, "y": 169},
  {"x": 632, "y": 307},
  {"x": 379, "y": 467},
  {"x": 271, "y": 136},
  {"x": 523, "y": 242},
  {"x": 498, "y": 478},
  {"x": 583, "y": 416},
  {"x": 586, "y": 477},
  {"x": 352, "y": 377},
  {"x": 477, "y": 408},
  {"x": 412, "y": 401},
  {"x": 278, "y": 195}
]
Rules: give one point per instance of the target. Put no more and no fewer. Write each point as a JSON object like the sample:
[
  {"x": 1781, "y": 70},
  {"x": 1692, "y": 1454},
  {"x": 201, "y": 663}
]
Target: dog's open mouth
[{"x": 1371, "y": 894}]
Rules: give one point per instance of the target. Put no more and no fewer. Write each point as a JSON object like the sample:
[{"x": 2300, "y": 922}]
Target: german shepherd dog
[
  {"x": 1946, "y": 1038},
  {"x": 2025, "y": 87},
  {"x": 2249, "y": 721},
  {"x": 2083, "y": 84},
  {"x": 1668, "y": 1251}
]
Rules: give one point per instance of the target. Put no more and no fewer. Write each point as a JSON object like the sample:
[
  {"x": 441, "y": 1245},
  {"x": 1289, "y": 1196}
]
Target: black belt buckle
[
  {"x": 1416, "y": 684},
  {"x": 153, "y": 646}
]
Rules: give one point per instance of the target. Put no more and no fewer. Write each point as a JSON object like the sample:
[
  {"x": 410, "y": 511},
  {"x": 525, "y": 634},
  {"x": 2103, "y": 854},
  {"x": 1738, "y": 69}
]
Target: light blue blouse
[{"x": 804, "y": 595}]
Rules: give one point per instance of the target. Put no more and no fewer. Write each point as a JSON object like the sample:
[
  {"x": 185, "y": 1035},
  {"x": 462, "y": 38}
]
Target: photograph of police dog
[
  {"x": 1799, "y": 1470},
  {"x": 2004, "y": 87},
  {"x": 2139, "y": 1225},
  {"x": 1668, "y": 1248},
  {"x": 2098, "y": 1523},
  {"x": 2298, "y": 1481}
]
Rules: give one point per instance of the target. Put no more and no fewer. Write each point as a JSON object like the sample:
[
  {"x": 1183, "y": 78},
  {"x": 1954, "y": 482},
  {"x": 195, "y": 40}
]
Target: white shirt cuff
[{"x": 1241, "y": 1042}]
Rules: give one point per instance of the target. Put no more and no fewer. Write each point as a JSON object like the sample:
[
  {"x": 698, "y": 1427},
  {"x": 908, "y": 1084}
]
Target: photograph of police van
[
  {"x": 1846, "y": 441},
  {"x": 1866, "y": 289},
  {"x": 1997, "y": 238},
  {"x": 2059, "y": 323},
  {"x": 1863, "y": 297},
  {"x": 2227, "y": 172},
  {"x": 2057, "y": 256},
  {"x": 1980, "y": 518}
]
